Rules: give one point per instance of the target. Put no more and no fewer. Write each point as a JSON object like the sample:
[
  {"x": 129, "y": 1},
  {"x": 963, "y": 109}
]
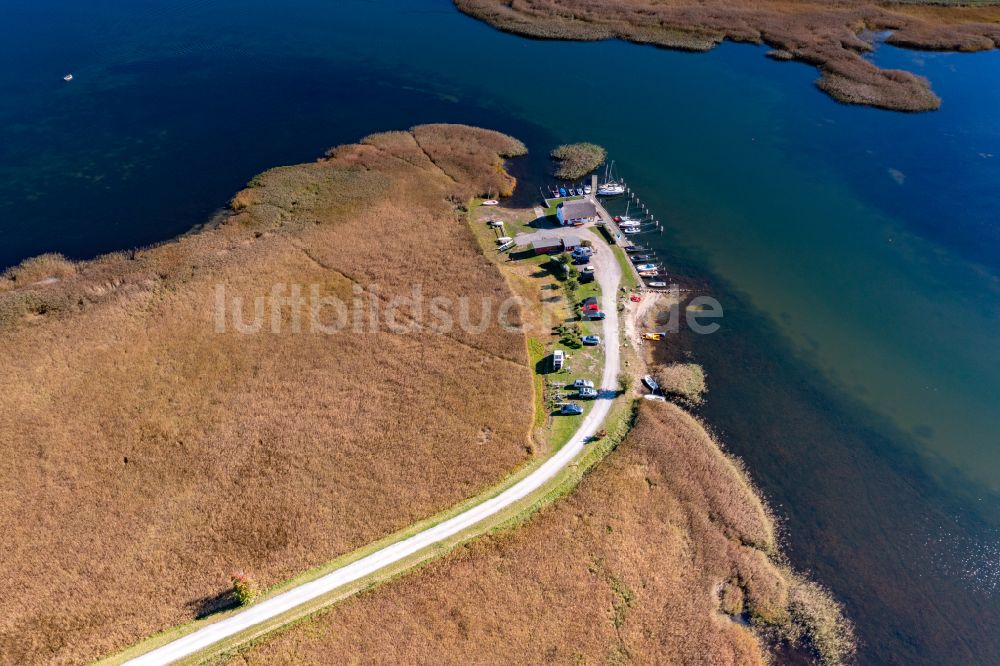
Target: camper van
[{"x": 558, "y": 358}]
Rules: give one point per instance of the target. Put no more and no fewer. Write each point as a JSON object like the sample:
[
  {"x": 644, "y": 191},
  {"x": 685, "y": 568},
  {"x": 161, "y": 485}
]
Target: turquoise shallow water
[{"x": 855, "y": 251}]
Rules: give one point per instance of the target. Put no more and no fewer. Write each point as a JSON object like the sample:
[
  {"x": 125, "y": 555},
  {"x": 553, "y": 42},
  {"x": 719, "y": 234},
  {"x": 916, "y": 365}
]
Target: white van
[{"x": 558, "y": 358}]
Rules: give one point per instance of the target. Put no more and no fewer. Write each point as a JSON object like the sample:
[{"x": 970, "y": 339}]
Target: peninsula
[{"x": 182, "y": 442}]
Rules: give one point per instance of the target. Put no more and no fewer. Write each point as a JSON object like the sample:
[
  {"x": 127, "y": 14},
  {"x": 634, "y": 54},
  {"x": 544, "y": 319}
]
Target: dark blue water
[{"x": 856, "y": 251}]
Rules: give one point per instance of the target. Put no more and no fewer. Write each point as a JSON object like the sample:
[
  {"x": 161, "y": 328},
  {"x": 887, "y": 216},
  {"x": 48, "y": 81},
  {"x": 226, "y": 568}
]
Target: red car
[{"x": 635, "y": 298}]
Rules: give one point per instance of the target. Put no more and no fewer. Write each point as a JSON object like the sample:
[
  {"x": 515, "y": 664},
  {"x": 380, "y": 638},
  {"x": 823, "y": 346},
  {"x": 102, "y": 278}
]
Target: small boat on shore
[
  {"x": 586, "y": 189},
  {"x": 652, "y": 336},
  {"x": 657, "y": 285},
  {"x": 491, "y": 202},
  {"x": 650, "y": 383}
]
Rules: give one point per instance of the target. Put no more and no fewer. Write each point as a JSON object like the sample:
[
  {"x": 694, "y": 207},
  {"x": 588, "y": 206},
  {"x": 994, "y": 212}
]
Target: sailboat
[
  {"x": 610, "y": 187},
  {"x": 627, "y": 221}
]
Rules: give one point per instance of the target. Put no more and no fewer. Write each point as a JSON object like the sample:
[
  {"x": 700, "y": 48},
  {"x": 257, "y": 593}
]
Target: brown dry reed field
[
  {"x": 145, "y": 457},
  {"x": 832, "y": 36},
  {"x": 648, "y": 561}
]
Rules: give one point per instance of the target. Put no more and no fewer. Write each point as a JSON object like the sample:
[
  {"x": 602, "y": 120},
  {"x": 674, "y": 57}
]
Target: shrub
[
  {"x": 244, "y": 588},
  {"x": 571, "y": 286},
  {"x": 571, "y": 336},
  {"x": 577, "y": 159},
  {"x": 624, "y": 381}
]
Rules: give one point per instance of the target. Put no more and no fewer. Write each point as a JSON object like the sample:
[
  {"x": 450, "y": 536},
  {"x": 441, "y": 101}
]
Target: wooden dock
[{"x": 615, "y": 232}]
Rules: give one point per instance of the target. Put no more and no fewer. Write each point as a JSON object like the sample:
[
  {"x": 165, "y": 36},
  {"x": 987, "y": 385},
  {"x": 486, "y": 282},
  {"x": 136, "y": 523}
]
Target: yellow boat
[{"x": 652, "y": 336}]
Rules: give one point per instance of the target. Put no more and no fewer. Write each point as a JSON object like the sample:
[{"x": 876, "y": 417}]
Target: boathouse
[{"x": 547, "y": 245}]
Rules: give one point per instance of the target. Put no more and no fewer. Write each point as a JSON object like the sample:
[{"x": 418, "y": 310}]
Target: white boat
[
  {"x": 68, "y": 77},
  {"x": 503, "y": 240},
  {"x": 632, "y": 230},
  {"x": 629, "y": 222},
  {"x": 650, "y": 383},
  {"x": 491, "y": 202},
  {"x": 586, "y": 189},
  {"x": 610, "y": 187},
  {"x": 658, "y": 285},
  {"x": 646, "y": 267}
]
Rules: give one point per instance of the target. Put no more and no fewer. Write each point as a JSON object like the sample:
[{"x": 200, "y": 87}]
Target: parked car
[
  {"x": 580, "y": 260},
  {"x": 586, "y": 276},
  {"x": 583, "y": 383},
  {"x": 570, "y": 409},
  {"x": 588, "y": 269},
  {"x": 588, "y": 393},
  {"x": 582, "y": 251},
  {"x": 595, "y": 316},
  {"x": 591, "y": 340}
]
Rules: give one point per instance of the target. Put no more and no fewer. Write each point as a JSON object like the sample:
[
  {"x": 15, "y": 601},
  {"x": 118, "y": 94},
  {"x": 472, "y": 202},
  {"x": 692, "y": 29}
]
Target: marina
[{"x": 621, "y": 229}]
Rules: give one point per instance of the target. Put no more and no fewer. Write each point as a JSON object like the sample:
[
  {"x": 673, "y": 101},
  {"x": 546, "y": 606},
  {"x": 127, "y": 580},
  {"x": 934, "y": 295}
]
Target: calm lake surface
[{"x": 856, "y": 252}]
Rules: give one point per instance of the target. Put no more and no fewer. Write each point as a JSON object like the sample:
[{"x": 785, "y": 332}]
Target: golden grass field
[
  {"x": 146, "y": 456},
  {"x": 827, "y": 35},
  {"x": 637, "y": 565}
]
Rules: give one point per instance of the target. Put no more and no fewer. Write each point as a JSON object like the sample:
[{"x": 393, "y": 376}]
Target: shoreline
[
  {"x": 636, "y": 317},
  {"x": 828, "y": 38}
]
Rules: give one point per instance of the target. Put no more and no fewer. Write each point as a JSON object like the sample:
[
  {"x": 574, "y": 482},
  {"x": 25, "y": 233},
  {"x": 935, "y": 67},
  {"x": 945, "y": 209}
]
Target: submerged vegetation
[
  {"x": 576, "y": 160},
  {"x": 830, "y": 36}
]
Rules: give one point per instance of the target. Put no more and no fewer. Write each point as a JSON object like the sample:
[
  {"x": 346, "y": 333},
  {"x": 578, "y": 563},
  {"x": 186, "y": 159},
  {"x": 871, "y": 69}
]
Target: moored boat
[{"x": 610, "y": 187}]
